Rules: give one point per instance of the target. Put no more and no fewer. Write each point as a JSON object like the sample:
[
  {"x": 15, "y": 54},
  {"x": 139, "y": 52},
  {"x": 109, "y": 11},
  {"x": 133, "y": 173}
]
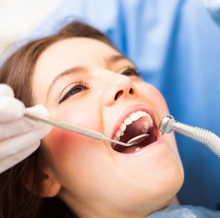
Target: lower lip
[{"x": 145, "y": 148}]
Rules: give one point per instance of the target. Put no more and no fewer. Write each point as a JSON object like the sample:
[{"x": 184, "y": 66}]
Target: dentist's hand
[{"x": 19, "y": 136}]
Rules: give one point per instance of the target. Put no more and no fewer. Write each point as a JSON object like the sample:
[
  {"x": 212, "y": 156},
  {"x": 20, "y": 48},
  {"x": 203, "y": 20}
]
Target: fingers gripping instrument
[{"x": 206, "y": 137}]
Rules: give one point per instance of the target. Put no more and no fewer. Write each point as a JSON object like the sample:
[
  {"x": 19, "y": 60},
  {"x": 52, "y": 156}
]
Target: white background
[{"x": 19, "y": 17}]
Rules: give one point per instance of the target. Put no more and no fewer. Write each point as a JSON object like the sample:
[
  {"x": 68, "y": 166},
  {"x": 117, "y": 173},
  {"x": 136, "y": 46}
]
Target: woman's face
[{"x": 86, "y": 82}]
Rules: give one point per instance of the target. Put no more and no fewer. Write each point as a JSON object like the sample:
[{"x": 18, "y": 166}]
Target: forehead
[
  {"x": 78, "y": 50},
  {"x": 71, "y": 52}
]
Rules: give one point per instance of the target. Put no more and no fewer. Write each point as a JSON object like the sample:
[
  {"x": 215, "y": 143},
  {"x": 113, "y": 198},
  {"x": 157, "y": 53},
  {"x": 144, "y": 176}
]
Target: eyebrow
[
  {"x": 115, "y": 58},
  {"x": 81, "y": 69}
]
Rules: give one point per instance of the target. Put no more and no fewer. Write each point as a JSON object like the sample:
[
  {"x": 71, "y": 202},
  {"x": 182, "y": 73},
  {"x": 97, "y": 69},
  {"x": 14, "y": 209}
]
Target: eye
[
  {"x": 78, "y": 87},
  {"x": 131, "y": 72}
]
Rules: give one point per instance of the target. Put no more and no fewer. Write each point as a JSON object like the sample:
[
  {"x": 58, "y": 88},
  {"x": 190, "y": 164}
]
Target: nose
[{"x": 116, "y": 87}]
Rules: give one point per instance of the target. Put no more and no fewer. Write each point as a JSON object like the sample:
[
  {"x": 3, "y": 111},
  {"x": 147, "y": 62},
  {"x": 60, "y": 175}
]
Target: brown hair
[{"x": 16, "y": 71}]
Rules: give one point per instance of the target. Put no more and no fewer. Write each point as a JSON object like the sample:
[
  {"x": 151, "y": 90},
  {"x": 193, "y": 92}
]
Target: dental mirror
[{"x": 138, "y": 139}]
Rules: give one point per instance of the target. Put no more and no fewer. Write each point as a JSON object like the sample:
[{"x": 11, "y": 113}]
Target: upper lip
[{"x": 130, "y": 110}]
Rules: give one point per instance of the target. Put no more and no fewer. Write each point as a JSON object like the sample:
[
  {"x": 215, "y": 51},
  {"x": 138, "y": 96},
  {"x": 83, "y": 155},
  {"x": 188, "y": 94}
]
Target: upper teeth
[{"x": 133, "y": 117}]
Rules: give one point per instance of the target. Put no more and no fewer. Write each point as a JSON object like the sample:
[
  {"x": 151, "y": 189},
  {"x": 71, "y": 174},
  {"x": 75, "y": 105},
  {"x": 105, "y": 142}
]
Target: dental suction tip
[{"x": 166, "y": 124}]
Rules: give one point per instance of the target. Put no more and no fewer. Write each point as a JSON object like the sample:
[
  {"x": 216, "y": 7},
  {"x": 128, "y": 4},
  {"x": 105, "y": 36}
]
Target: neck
[
  {"x": 174, "y": 200},
  {"x": 85, "y": 211}
]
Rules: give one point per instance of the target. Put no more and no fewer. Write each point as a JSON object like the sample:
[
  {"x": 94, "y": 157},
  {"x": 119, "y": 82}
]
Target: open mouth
[{"x": 136, "y": 124}]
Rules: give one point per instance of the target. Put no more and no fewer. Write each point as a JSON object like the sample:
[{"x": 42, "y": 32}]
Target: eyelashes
[
  {"x": 78, "y": 87},
  {"x": 131, "y": 71},
  {"x": 81, "y": 86}
]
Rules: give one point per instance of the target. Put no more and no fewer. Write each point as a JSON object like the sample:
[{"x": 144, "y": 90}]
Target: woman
[{"x": 82, "y": 79}]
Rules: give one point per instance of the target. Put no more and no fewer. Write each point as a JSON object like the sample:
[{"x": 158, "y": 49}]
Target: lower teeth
[{"x": 137, "y": 149}]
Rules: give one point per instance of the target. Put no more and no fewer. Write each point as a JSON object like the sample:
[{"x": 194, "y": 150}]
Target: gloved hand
[{"x": 19, "y": 135}]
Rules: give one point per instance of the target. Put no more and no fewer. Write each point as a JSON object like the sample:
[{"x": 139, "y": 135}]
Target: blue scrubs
[
  {"x": 176, "y": 46},
  {"x": 174, "y": 211}
]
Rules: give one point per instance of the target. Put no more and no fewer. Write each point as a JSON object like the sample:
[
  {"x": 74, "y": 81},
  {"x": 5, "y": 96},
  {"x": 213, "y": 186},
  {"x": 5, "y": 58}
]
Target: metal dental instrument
[
  {"x": 206, "y": 137},
  {"x": 138, "y": 139},
  {"x": 77, "y": 129}
]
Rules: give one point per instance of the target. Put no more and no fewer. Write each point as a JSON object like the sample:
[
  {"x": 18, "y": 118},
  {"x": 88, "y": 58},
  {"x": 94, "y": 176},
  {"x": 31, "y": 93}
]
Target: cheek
[
  {"x": 65, "y": 144},
  {"x": 65, "y": 148},
  {"x": 60, "y": 141},
  {"x": 154, "y": 97}
]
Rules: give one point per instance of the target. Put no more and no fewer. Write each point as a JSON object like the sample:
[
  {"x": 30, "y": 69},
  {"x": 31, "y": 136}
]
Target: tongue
[{"x": 130, "y": 149}]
